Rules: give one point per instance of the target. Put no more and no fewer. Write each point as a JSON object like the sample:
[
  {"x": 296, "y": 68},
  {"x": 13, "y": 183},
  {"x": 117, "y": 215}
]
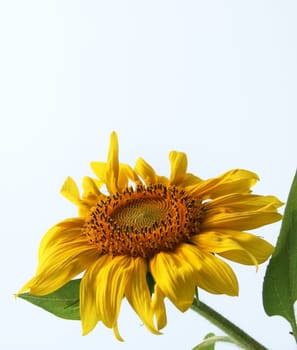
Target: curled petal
[
  {"x": 70, "y": 191},
  {"x": 138, "y": 294},
  {"x": 178, "y": 161},
  {"x": 112, "y": 165},
  {"x": 123, "y": 179},
  {"x": 130, "y": 174},
  {"x": 247, "y": 220},
  {"x": 222, "y": 245},
  {"x": 146, "y": 172},
  {"x": 233, "y": 181},
  {"x": 89, "y": 313},
  {"x": 212, "y": 274},
  {"x": 112, "y": 279},
  {"x": 65, "y": 231},
  {"x": 159, "y": 307},
  {"x": 60, "y": 266},
  {"x": 91, "y": 195},
  {"x": 91, "y": 188},
  {"x": 99, "y": 169},
  {"x": 108, "y": 172},
  {"x": 189, "y": 181},
  {"x": 251, "y": 244},
  {"x": 240, "y": 202},
  {"x": 175, "y": 277}
]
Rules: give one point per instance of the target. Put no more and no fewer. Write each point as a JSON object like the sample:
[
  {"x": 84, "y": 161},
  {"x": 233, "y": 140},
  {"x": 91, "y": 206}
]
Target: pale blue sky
[{"x": 216, "y": 79}]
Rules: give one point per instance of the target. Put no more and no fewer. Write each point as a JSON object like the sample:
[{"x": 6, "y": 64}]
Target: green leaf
[
  {"x": 280, "y": 283},
  {"x": 63, "y": 303},
  {"x": 211, "y": 339}
]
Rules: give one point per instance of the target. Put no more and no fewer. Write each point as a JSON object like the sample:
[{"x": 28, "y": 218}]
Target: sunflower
[{"x": 133, "y": 223}]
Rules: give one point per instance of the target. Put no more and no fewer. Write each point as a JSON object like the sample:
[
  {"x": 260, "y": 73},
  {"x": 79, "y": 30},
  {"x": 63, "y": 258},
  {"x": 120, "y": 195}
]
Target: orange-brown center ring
[{"x": 143, "y": 221}]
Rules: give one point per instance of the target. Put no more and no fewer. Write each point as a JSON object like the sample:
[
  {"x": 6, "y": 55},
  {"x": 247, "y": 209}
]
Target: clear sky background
[{"x": 215, "y": 79}]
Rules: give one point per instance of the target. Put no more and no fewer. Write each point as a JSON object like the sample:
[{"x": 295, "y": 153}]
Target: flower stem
[{"x": 238, "y": 335}]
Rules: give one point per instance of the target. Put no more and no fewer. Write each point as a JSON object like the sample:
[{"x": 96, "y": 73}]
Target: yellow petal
[
  {"x": 112, "y": 165},
  {"x": 179, "y": 163},
  {"x": 70, "y": 191},
  {"x": 241, "y": 202},
  {"x": 214, "y": 242},
  {"x": 99, "y": 169},
  {"x": 111, "y": 283},
  {"x": 212, "y": 274},
  {"x": 138, "y": 294},
  {"x": 189, "y": 181},
  {"x": 67, "y": 230},
  {"x": 260, "y": 249},
  {"x": 63, "y": 254},
  {"x": 116, "y": 332},
  {"x": 233, "y": 181},
  {"x": 240, "y": 220},
  {"x": 122, "y": 179},
  {"x": 146, "y": 172},
  {"x": 60, "y": 267},
  {"x": 91, "y": 195},
  {"x": 175, "y": 277},
  {"x": 159, "y": 307},
  {"x": 162, "y": 180},
  {"x": 130, "y": 174},
  {"x": 84, "y": 209},
  {"x": 89, "y": 313},
  {"x": 90, "y": 188},
  {"x": 64, "y": 246}
]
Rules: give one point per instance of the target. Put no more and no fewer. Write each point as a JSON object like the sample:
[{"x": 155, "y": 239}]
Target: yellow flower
[{"x": 133, "y": 223}]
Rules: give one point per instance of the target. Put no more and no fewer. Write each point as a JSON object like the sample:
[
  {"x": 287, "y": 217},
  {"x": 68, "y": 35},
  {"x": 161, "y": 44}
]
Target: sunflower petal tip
[
  {"x": 235, "y": 291},
  {"x": 113, "y": 136},
  {"x": 158, "y": 332},
  {"x": 86, "y": 330},
  {"x": 117, "y": 333},
  {"x": 70, "y": 190}
]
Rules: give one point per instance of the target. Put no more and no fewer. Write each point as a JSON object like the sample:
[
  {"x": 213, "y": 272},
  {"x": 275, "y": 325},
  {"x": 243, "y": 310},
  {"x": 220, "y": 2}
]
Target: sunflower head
[{"x": 133, "y": 225}]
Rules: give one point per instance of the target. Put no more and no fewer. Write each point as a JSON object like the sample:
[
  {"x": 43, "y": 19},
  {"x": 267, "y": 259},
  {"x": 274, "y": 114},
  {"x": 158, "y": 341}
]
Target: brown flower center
[{"x": 143, "y": 221}]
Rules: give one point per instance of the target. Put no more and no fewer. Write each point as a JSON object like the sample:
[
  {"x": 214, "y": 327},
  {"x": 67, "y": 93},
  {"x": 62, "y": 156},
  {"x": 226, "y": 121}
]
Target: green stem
[{"x": 237, "y": 334}]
